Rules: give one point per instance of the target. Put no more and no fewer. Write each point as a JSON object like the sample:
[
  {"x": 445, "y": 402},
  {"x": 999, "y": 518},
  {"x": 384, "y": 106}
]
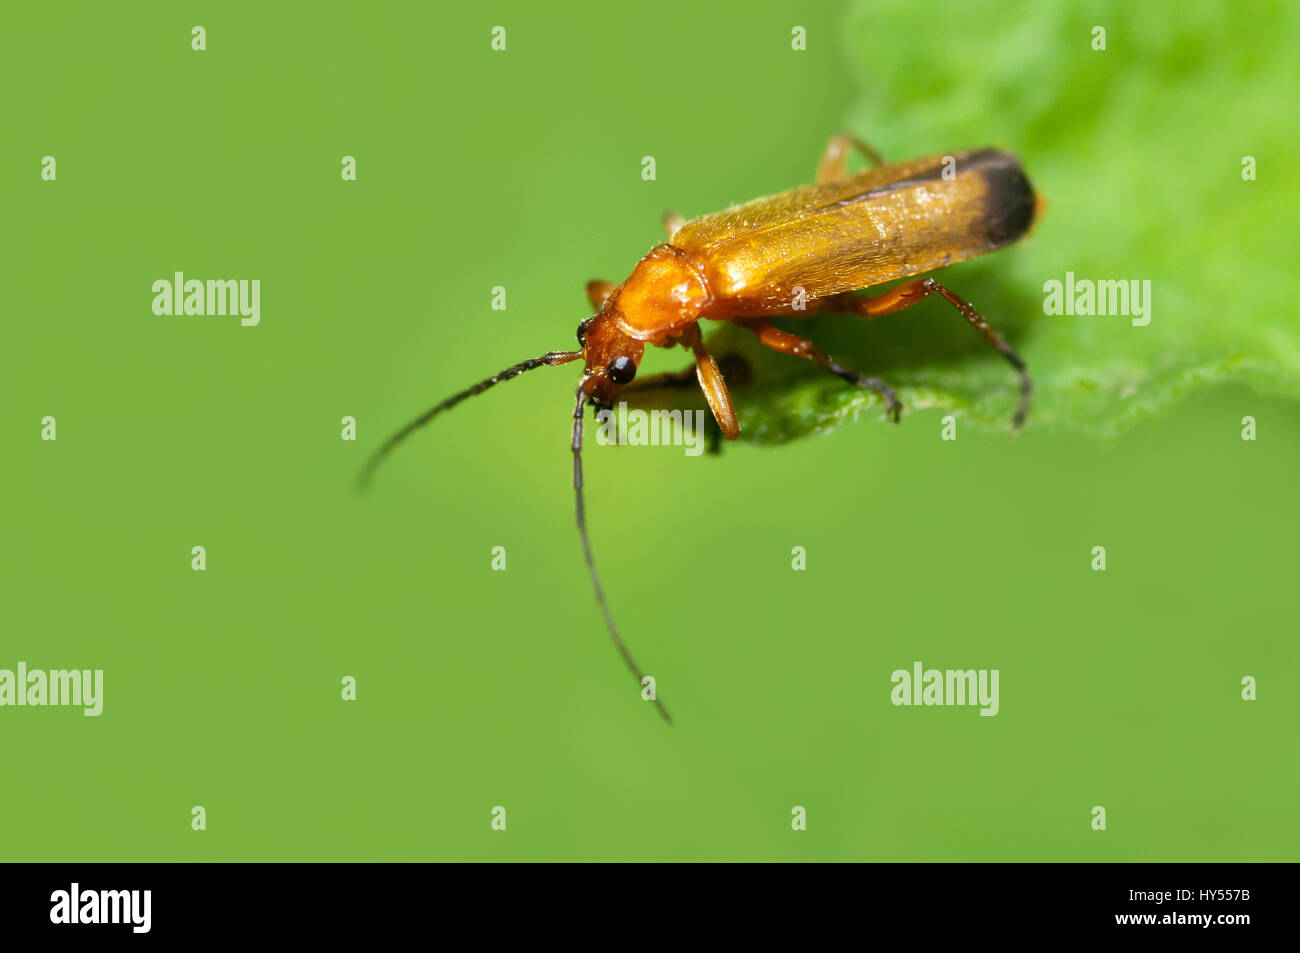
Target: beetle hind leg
[{"x": 833, "y": 165}]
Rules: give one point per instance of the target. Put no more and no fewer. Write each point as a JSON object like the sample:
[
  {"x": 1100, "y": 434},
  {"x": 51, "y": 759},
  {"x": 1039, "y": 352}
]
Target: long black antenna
[
  {"x": 549, "y": 359},
  {"x": 586, "y": 550}
]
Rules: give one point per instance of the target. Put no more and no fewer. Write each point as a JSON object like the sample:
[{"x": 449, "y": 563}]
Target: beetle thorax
[{"x": 665, "y": 293}]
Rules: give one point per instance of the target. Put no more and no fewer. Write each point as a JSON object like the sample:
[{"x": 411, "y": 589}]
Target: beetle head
[{"x": 612, "y": 356}]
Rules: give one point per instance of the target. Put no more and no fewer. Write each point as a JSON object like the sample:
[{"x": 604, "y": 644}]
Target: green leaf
[{"x": 1138, "y": 150}]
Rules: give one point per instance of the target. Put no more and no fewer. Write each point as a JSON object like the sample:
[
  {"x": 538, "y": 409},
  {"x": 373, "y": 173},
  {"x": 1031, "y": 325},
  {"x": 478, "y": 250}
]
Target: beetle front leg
[
  {"x": 598, "y": 292},
  {"x": 908, "y": 294},
  {"x": 786, "y": 343},
  {"x": 835, "y": 157},
  {"x": 731, "y": 367},
  {"x": 712, "y": 383}
]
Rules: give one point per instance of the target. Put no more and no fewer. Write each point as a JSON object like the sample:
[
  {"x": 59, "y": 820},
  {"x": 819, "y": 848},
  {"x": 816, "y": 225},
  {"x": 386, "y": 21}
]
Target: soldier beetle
[{"x": 844, "y": 233}]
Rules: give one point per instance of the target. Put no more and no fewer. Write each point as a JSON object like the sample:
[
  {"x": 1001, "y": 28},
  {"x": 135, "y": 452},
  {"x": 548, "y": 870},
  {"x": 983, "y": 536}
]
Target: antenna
[
  {"x": 583, "y": 395},
  {"x": 549, "y": 359}
]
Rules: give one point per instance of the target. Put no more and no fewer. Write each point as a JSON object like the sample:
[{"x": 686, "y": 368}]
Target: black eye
[
  {"x": 582, "y": 330},
  {"x": 621, "y": 370}
]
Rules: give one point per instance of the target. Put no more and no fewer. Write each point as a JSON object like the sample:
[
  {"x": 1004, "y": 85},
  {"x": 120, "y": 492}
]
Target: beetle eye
[
  {"x": 582, "y": 331},
  {"x": 621, "y": 370}
]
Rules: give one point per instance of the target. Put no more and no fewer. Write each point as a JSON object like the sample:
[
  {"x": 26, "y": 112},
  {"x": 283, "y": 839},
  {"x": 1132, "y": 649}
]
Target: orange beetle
[{"x": 789, "y": 255}]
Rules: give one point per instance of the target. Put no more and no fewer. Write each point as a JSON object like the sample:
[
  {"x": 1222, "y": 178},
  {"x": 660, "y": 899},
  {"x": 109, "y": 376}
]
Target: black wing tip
[{"x": 1010, "y": 203}]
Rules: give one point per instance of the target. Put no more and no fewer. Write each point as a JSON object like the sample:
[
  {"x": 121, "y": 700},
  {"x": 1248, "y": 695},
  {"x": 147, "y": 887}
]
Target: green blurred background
[{"x": 479, "y": 688}]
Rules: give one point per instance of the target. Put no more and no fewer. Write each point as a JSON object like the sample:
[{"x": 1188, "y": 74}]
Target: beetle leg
[
  {"x": 672, "y": 222},
  {"x": 787, "y": 343},
  {"x": 732, "y": 366},
  {"x": 672, "y": 380},
  {"x": 835, "y": 157},
  {"x": 909, "y": 293},
  {"x": 712, "y": 383},
  {"x": 676, "y": 380},
  {"x": 598, "y": 291}
]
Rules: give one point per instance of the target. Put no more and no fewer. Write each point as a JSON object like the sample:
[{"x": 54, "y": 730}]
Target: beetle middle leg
[
  {"x": 909, "y": 293},
  {"x": 786, "y": 343},
  {"x": 835, "y": 157}
]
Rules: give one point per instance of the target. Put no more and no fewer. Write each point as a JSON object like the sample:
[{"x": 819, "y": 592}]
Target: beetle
[{"x": 748, "y": 263}]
